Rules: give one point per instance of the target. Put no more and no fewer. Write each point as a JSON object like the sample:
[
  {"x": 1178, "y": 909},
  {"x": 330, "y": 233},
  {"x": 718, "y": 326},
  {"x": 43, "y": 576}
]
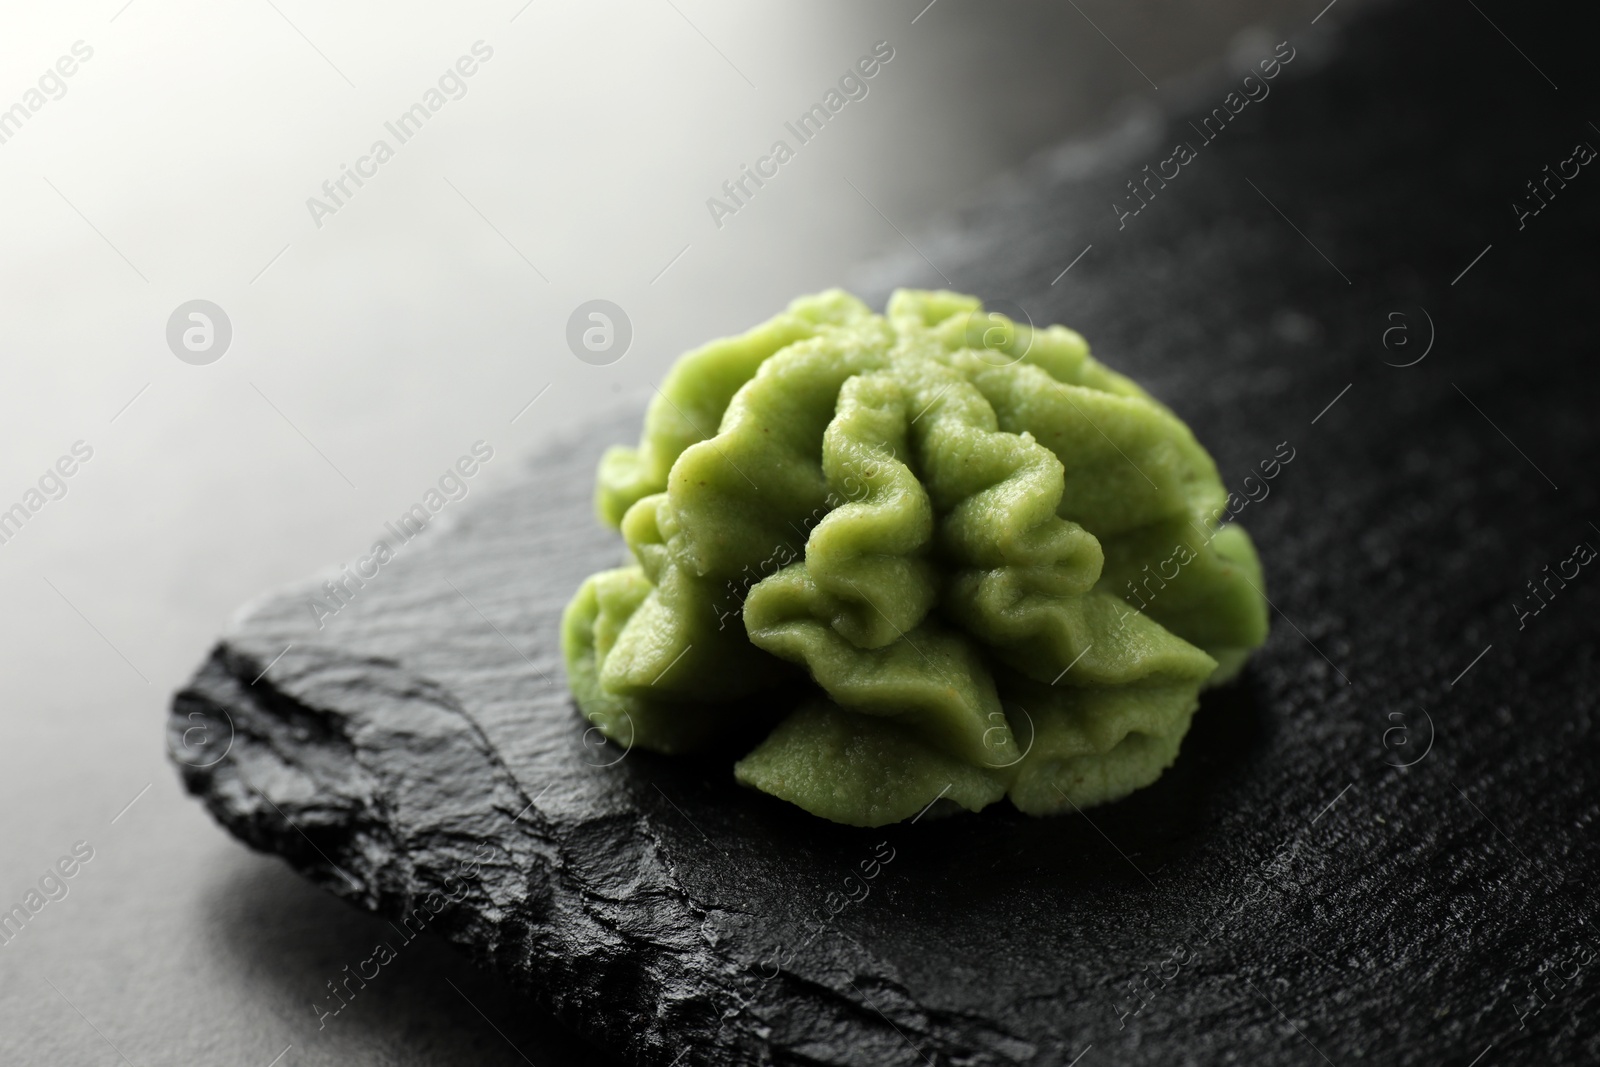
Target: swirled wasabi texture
[{"x": 963, "y": 558}]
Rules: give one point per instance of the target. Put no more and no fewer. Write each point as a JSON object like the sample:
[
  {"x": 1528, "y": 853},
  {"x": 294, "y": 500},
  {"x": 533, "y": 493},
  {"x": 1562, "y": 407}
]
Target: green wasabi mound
[{"x": 966, "y": 559}]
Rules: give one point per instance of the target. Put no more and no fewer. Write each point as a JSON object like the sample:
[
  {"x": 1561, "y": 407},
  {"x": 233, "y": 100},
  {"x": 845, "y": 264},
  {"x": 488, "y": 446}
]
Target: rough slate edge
[{"x": 1406, "y": 940}]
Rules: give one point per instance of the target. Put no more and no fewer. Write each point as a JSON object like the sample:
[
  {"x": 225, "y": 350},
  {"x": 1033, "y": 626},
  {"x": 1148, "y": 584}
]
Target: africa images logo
[
  {"x": 342, "y": 589},
  {"x": 51, "y": 86},
  {"x": 199, "y": 332},
  {"x": 405, "y": 126},
  {"x": 852, "y": 85}
]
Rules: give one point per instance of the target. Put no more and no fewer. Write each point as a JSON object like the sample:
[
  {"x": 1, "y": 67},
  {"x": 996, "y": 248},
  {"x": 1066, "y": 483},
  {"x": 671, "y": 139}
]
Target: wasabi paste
[{"x": 936, "y": 555}]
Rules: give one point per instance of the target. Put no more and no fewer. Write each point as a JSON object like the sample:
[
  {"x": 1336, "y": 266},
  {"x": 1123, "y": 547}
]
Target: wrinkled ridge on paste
[{"x": 964, "y": 559}]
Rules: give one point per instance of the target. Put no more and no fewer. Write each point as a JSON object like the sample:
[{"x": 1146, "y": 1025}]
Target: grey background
[{"x": 367, "y": 355}]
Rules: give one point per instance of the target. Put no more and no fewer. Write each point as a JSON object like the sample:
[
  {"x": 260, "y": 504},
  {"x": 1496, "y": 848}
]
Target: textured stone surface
[{"x": 1286, "y": 894}]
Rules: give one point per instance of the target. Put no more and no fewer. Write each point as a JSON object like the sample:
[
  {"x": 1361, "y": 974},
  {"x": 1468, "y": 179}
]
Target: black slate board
[{"x": 1287, "y": 894}]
